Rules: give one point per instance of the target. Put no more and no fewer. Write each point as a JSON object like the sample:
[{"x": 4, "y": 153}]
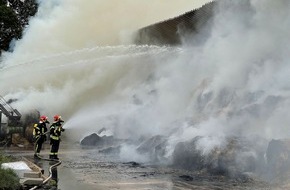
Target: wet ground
[{"x": 87, "y": 169}]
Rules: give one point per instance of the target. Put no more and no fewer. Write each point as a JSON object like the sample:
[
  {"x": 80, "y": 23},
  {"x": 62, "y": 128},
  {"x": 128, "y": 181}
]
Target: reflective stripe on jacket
[
  {"x": 39, "y": 128},
  {"x": 55, "y": 131}
]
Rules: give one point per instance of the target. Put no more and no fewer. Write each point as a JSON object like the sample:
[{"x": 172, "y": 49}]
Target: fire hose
[{"x": 58, "y": 162}]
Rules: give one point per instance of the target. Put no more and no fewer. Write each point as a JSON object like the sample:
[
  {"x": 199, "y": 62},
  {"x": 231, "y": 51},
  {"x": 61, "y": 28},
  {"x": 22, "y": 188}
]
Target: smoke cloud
[
  {"x": 68, "y": 25},
  {"x": 77, "y": 60}
]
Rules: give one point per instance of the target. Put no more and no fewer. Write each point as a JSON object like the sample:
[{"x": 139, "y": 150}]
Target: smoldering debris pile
[
  {"x": 238, "y": 157},
  {"x": 96, "y": 140},
  {"x": 234, "y": 158},
  {"x": 154, "y": 147},
  {"x": 278, "y": 159},
  {"x": 106, "y": 143}
]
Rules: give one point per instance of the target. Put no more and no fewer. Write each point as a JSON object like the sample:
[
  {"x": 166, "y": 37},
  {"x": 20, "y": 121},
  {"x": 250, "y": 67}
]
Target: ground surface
[{"x": 87, "y": 169}]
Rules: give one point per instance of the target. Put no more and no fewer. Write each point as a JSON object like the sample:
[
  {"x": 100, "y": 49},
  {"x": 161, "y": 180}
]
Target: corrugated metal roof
[{"x": 169, "y": 32}]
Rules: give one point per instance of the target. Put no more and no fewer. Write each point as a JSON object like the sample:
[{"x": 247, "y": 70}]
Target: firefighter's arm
[
  {"x": 58, "y": 130},
  {"x": 62, "y": 129}
]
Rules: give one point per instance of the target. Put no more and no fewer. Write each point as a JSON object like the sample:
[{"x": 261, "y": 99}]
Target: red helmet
[
  {"x": 57, "y": 117},
  {"x": 43, "y": 118}
]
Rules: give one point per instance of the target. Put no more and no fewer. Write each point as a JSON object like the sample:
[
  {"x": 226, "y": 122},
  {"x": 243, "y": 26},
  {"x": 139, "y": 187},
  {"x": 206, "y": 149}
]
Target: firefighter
[
  {"x": 39, "y": 134},
  {"x": 55, "y": 133}
]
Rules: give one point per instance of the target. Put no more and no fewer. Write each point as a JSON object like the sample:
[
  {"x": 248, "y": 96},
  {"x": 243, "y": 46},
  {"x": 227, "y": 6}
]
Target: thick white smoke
[
  {"x": 68, "y": 25},
  {"x": 73, "y": 53},
  {"x": 75, "y": 60},
  {"x": 245, "y": 64}
]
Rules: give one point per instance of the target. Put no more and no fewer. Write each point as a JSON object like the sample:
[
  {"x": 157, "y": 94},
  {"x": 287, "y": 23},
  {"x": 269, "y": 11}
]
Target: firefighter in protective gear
[
  {"x": 55, "y": 133},
  {"x": 39, "y": 134}
]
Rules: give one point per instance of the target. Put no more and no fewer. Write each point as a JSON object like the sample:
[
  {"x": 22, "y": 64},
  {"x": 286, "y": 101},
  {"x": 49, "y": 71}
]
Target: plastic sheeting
[{"x": 19, "y": 167}]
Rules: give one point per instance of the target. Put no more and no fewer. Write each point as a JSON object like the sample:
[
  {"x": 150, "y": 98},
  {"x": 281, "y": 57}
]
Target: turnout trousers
[
  {"x": 38, "y": 144},
  {"x": 54, "y": 148}
]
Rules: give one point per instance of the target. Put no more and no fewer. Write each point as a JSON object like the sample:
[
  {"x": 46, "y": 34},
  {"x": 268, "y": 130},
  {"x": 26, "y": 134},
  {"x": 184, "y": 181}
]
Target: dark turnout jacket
[{"x": 55, "y": 130}]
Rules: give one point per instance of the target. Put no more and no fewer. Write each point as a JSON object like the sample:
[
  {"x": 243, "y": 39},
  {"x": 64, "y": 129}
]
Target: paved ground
[{"x": 87, "y": 169}]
